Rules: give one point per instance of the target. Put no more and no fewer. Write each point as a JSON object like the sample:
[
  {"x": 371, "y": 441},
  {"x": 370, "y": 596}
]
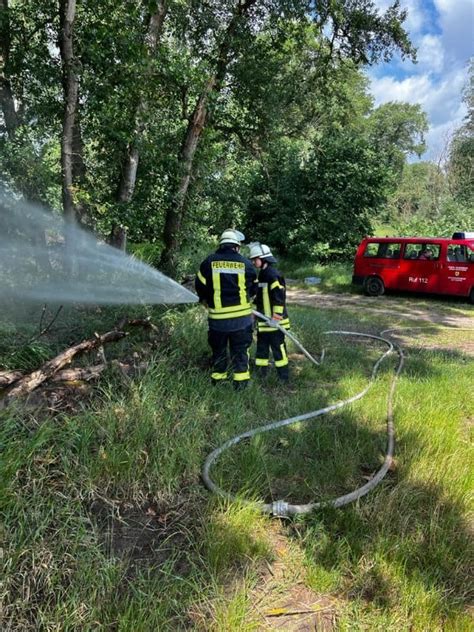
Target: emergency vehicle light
[{"x": 463, "y": 235}]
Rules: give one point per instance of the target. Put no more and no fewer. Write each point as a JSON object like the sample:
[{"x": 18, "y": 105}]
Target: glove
[{"x": 274, "y": 320}]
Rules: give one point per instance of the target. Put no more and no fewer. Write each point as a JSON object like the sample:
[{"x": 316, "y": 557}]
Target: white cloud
[
  {"x": 417, "y": 16},
  {"x": 431, "y": 54},
  {"x": 388, "y": 88},
  {"x": 440, "y": 100},
  {"x": 443, "y": 32},
  {"x": 456, "y": 20}
]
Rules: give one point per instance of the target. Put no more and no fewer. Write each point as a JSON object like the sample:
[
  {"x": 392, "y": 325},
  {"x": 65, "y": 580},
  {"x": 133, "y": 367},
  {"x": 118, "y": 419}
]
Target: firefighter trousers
[
  {"x": 238, "y": 343},
  {"x": 274, "y": 340}
]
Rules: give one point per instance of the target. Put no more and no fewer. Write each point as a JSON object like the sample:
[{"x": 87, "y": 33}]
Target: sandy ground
[{"x": 419, "y": 312}]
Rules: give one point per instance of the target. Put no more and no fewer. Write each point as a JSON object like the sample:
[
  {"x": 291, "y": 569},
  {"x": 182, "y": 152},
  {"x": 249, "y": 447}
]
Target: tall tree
[
  {"x": 196, "y": 124},
  {"x": 71, "y": 154},
  {"x": 30, "y": 97},
  {"x": 173, "y": 108},
  {"x": 397, "y": 131},
  {"x": 351, "y": 29},
  {"x": 7, "y": 101},
  {"x": 461, "y": 151},
  {"x": 128, "y": 173},
  {"x": 72, "y": 163}
]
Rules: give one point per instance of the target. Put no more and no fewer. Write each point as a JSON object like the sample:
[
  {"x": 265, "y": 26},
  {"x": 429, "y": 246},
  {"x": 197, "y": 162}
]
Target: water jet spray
[{"x": 37, "y": 263}]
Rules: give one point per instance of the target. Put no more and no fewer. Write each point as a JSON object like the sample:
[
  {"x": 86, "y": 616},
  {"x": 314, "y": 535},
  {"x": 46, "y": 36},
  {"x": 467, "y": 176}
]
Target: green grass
[
  {"x": 106, "y": 525},
  {"x": 336, "y": 277}
]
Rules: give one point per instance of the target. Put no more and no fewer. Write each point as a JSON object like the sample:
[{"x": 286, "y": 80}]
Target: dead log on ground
[
  {"x": 80, "y": 374},
  {"x": 9, "y": 377},
  {"x": 85, "y": 374},
  {"x": 52, "y": 369},
  {"x": 33, "y": 380}
]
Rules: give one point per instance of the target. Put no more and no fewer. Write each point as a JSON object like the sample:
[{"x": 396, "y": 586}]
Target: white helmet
[
  {"x": 262, "y": 252},
  {"x": 231, "y": 236}
]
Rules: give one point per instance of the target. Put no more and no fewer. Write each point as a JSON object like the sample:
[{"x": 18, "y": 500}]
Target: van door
[
  {"x": 457, "y": 270},
  {"x": 420, "y": 267},
  {"x": 379, "y": 258}
]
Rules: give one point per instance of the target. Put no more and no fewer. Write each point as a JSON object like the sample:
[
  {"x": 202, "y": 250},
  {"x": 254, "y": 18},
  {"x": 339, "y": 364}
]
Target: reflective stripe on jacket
[
  {"x": 271, "y": 297},
  {"x": 226, "y": 281}
]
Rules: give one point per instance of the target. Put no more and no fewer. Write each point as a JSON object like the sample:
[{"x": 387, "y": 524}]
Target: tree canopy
[{"x": 177, "y": 118}]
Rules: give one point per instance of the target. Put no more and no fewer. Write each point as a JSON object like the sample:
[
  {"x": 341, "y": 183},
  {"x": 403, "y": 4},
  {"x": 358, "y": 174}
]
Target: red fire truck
[{"x": 418, "y": 264}]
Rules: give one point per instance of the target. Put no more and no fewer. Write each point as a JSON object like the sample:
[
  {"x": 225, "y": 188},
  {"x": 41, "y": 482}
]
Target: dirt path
[
  {"x": 419, "y": 312},
  {"x": 435, "y": 311}
]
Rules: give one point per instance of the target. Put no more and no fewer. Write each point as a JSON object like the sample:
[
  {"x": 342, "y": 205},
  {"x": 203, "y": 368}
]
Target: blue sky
[{"x": 443, "y": 33}]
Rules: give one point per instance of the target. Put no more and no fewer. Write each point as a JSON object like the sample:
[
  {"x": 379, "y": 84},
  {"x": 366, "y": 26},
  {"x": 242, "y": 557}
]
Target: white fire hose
[{"x": 281, "y": 508}]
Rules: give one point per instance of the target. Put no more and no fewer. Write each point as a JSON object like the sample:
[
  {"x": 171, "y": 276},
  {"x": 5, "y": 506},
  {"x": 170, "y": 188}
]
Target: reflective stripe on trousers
[
  {"x": 238, "y": 343},
  {"x": 274, "y": 340}
]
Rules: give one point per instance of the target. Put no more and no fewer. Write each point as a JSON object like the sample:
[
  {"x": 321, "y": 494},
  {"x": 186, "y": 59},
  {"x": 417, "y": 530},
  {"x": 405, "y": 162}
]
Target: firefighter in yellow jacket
[
  {"x": 271, "y": 301},
  {"x": 225, "y": 283}
]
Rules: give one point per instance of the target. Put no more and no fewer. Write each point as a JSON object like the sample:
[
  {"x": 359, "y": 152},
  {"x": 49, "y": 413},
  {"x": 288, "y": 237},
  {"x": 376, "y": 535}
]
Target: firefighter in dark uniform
[
  {"x": 225, "y": 283},
  {"x": 271, "y": 301}
]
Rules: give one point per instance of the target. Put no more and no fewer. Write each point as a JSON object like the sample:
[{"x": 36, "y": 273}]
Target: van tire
[
  {"x": 373, "y": 286},
  {"x": 471, "y": 296}
]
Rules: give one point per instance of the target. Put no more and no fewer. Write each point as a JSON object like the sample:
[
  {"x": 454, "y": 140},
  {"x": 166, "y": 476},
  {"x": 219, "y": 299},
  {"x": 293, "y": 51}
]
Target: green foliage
[
  {"x": 423, "y": 204},
  {"x": 437, "y": 200},
  {"x": 452, "y": 217},
  {"x": 190, "y": 255},
  {"x": 397, "y": 131},
  {"x": 148, "y": 252},
  {"x": 319, "y": 207},
  {"x": 420, "y": 190},
  {"x": 461, "y": 155},
  {"x": 284, "y": 70}
]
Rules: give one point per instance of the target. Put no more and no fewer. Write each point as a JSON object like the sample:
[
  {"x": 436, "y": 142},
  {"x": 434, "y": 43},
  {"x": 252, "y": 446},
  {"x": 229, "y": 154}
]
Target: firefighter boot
[
  {"x": 283, "y": 374},
  {"x": 261, "y": 372}
]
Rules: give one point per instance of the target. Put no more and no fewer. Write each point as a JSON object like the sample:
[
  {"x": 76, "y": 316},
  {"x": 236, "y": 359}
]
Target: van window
[
  {"x": 463, "y": 254},
  {"x": 423, "y": 252},
  {"x": 383, "y": 250}
]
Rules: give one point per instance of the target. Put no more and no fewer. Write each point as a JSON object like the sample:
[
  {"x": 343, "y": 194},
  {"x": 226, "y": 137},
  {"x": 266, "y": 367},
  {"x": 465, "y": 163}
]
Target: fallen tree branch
[
  {"x": 83, "y": 374},
  {"x": 9, "y": 377},
  {"x": 133, "y": 322},
  {"x": 51, "y": 370},
  {"x": 33, "y": 380}
]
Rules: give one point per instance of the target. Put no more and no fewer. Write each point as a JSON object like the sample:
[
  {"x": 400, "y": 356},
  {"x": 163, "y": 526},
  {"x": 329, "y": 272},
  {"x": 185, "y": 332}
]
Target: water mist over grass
[{"x": 44, "y": 259}]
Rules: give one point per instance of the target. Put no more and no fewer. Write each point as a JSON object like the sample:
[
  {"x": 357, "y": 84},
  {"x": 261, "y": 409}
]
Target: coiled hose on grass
[{"x": 281, "y": 508}]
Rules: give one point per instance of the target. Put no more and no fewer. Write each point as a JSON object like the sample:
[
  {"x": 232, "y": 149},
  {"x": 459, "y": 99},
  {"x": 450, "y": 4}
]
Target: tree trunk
[
  {"x": 128, "y": 175},
  {"x": 71, "y": 144},
  {"x": 71, "y": 92},
  {"x": 175, "y": 212},
  {"x": 130, "y": 165},
  {"x": 197, "y": 122},
  {"x": 6, "y": 94}
]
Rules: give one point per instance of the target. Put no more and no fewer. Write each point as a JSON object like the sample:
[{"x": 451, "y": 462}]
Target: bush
[
  {"x": 148, "y": 252},
  {"x": 453, "y": 217}
]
